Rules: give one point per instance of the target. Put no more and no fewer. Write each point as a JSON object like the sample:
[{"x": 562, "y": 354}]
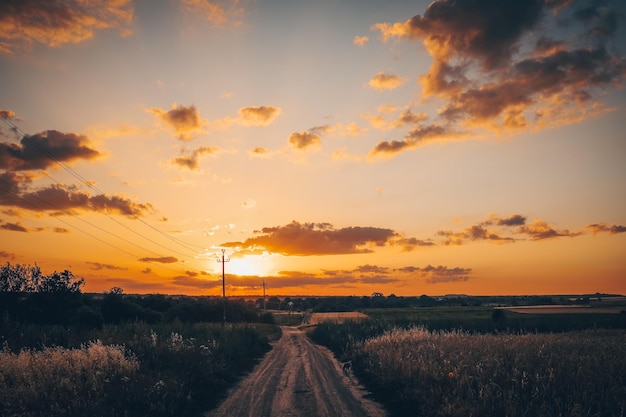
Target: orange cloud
[
  {"x": 258, "y": 115},
  {"x": 603, "y": 228},
  {"x": 54, "y": 24},
  {"x": 184, "y": 120},
  {"x": 217, "y": 13},
  {"x": 191, "y": 161},
  {"x": 540, "y": 229},
  {"x": 360, "y": 40},
  {"x": 162, "y": 260},
  {"x": 306, "y": 239},
  {"x": 383, "y": 81},
  {"x": 304, "y": 141}
]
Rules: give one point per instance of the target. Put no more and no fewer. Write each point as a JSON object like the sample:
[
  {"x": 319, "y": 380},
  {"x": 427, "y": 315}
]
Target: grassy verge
[{"x": 131, "y": 369}]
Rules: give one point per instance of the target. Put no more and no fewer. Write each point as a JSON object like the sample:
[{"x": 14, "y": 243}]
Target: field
[{"x": 481, "y": 361}]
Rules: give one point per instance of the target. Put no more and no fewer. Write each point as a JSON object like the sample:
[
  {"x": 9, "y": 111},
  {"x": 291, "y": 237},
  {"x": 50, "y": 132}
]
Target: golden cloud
[{"x": 57, "y": 23}]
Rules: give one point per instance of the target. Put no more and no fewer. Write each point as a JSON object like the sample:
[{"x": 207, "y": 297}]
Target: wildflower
[{"x": 451, "y": 374}]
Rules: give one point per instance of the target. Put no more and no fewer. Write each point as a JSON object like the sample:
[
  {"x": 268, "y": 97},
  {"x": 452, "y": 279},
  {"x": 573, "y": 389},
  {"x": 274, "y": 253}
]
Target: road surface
[{"x": 298, "y": 378}]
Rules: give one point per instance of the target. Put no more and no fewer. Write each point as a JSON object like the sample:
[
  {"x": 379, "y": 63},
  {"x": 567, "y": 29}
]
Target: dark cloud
[
  {"x": 409, "y": 244},
  {"x": 513, "y": 220},
  {"x": 600, "y": 20},
  {"x": 306, "y": 239},
  {"x": 439, "y": 274},
  {"x": 371, "y": 269},
  {"x": 100, "y": 266},
  {"x": 604, "y": 228},
  {"x": 44, "y": 149},
  {"x": 415, "y": 138},
  {"x": 487, "y": 30},
  {"x": 488, "y": 77},
  {"x": 162, "y": 260},
  {"x": 53, "y": 23},
  {"x": 14, "y": 227},
  {"x": 7, "y": 255},
  {"x": 58, "y": 198}
]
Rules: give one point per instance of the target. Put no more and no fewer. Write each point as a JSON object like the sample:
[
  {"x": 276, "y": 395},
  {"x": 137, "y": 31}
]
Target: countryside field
[
  {"x": 476, "y": 361},
  {"x": 65, "y": 353}
]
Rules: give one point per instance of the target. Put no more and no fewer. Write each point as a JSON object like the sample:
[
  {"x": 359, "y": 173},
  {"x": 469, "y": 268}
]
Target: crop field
[{"x": 463, "y": 361}]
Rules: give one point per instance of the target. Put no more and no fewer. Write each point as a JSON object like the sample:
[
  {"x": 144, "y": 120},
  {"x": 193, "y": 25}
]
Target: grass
[
  {"x": 421, "y": 373},
  {"x": 131, "y": 369},
  {"x": 477, "y": 361}
]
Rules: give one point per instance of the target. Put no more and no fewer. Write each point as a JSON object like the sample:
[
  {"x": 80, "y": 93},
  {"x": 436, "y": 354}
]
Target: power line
[{"x": 90, "y": 185}]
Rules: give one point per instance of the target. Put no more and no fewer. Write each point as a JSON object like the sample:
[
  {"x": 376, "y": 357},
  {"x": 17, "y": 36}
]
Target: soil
[{"x": 298, "y": 378}]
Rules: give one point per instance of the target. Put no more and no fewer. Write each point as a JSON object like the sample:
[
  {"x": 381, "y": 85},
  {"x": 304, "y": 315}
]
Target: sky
[{"x": 322, "y": 147}]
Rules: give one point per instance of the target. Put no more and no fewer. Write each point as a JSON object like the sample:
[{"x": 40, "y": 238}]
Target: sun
[{"x": 251, "y": 265}]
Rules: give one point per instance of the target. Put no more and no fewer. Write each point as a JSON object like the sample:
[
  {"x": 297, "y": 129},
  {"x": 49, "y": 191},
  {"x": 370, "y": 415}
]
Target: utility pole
[
  {"x": 264, "y": 308},
  {"x": 223, "y": 261}
]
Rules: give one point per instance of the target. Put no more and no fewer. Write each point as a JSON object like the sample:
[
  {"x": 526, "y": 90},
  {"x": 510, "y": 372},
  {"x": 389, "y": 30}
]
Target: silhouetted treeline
[
  {"x": 352, "y": 303},
  {"x": 28, "y": 296}
]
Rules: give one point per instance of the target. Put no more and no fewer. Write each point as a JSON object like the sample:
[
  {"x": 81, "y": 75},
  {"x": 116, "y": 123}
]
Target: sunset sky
[{"x": 329, "y": 147}]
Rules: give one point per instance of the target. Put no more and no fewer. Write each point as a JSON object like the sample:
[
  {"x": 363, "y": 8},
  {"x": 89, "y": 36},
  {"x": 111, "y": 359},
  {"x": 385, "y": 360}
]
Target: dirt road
[{"x": 298, "y": 379}]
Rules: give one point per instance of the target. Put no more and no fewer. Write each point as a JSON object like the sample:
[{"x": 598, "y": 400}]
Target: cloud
[
  {"x": 191, "y": 161},
  {"x": 309, "y": 239},
  {"x": 7, "y": 255},
  {"x": 24, "y": 22},
  {"x": 14, "y": 227},
  {"x": 383, "y": 81},
  {"x": 259, "y": 152},
  {"x": 439, "y": 274},
  {"x": 603, "y": 228},
  {"x": 514, "y": 228},
  {"x": 100, "y": 266},
  {"x": 58, "y": 198},
  {"x": 409, "y": 244},
  {"x": 540, "y": 229},
  {"x": 258, "y": 115},
  {"x": 61, "y": 230},
  {"x": 360, "y": 40},
  {"x": 7, "y": 114},
  {"x": 496, "y": 66},
  {"x": 43, "y": 150},
  {"x": 304, "y": 141},
  {"x": 416, "y": 137},
  {"x": 218, "y": 13},
  {"x": 512, "y": 220},
  {"x": 162, "y": 260},
  {"x": 249, "y": 203},
  {"x": 184, "y": 120}
]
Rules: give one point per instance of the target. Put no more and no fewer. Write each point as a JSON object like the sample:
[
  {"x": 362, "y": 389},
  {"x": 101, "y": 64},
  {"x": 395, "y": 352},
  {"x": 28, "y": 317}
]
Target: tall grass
[
  {"x": 417, "y": 372},
  {"x": 133, "y": 369},
  {"x": 89, "y": 380}
]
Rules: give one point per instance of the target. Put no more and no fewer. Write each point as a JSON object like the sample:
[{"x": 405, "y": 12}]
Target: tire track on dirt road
[{"x": 297, "y": 378}]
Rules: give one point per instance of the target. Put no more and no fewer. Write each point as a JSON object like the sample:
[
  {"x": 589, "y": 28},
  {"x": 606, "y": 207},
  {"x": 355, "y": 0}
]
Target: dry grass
[
  {"x": 454, "y": 374},
  {"x": 58, "y": 381},
  {"x": 317, "y": 318}
]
